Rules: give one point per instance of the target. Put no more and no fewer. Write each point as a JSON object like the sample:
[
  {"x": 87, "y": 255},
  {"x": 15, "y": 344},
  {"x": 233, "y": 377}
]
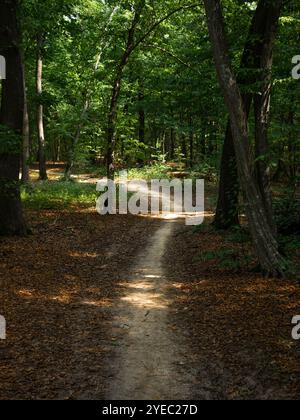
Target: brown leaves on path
[{"x": 57, "y": 287}]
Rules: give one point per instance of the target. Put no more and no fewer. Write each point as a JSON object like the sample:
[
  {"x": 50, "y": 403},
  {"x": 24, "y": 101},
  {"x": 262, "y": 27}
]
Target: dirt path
[
  {"x": 130, "y": 310},
  {"x": 149, "y": 356}
]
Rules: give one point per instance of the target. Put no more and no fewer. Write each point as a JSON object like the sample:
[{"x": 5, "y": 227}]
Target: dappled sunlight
[
  {"x": 24, "y": 293},
  {"x": 146, "y": 300},
  {"x": 62, "y": 296},
  {"x": 98, "y": 303},
  {"x": 84, "y": 254},
  {"x": 139, "y": 285},
  {"x": 173, "y": 216},
  {"x": 144, "y": 294},
  {"x": 147, "y": 286},
  {"x": 177, "y": 285}
]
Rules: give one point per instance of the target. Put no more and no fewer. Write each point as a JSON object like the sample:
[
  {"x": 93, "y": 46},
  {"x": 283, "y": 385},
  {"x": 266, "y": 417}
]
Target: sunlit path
[{"x": 149, "y": 357}]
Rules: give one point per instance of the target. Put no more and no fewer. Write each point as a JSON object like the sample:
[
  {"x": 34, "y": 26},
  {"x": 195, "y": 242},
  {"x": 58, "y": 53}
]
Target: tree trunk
[
  {"x": 264, "y": 241},
  {"x": 228, "y": 203},
  {"x": 40, "y": 110},
  {"x": 227, "y": 212},
  {"x": 26, "y": 141},
  {"x": 11, "y": 119},
  {"x": 87, "y": 102},
  {"x": 292, "y": 148},
  {"x": 202, "y": 139},
  {"x": 262, "y": 102},
  {"x": 75, "y": 140},
  {"x": 142, "y": 118},
  {"x": 191, "y": 143},
  {"x": 172, "y": 143},
  {"x": 113, "y": 109},
  {"x": 184, "y": 148}
]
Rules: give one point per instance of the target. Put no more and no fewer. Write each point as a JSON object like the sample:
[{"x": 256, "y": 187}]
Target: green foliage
[
  {"x": 58, "y": 195},
  {"x": 226, "y": 258},
  {"x": 135, "y": 151},
  {"x": 205, "y": 171},
  {"x": 155, "y": 171}
]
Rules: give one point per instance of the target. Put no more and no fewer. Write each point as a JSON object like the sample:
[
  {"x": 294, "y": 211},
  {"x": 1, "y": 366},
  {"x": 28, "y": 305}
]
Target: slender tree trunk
[
  {"x": 87, "y": 102},
  {"x": 112, "y": 119},
  {"x": 11, "y": 119},
  {"x": 184, "y": 147},
  {"x": 142, "y": 117},
  {"x": 75, "y": 140},
  {"x": 40, "y": 110},
  {"x": 211, "y": 139},
  {"x": 264, "y": 241},
  {"x": 292, "y": 161},
  {"x": 228, "y": 200},
  {"x": 26, "y": 142},
  {"x": 191, "y": 143},
  {"x": 227, "y": 212},
  {"x": 113, "y": 109},
  {"x": 262, "y": 102},
  {"x": 172, "y": 143},
  {"x": 203, "y": 139},
  {"x": 130, "y": 47}
]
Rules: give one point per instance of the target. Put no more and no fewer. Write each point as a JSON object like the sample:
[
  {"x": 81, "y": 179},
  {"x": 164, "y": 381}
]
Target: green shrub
[
  {"x": 147, "y": 173},
  {"x": 58, "y": 195},
  {"x": 205, "y": 171}
]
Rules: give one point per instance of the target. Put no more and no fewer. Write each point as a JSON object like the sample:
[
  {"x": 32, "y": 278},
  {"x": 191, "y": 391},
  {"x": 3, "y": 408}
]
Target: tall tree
[
  {"x": 257, "y": 55},
  {"x": 131, "y": 45},
  {"x": 40, "y": 108},
  {"x": 272, "y": 263},
  {"x": 112, "y": 115},
  {"x": 11, "y": 121},
  {"x": 26, "y": 139},
  {"x": 262, "y": 101},
  {"x": 87, "y": 95}
]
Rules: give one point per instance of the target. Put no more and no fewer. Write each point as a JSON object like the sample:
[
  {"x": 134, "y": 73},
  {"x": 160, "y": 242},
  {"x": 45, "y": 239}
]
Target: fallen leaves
[
  {"x": 57, "y": 288},
  {"x": 238, "y": 324}
]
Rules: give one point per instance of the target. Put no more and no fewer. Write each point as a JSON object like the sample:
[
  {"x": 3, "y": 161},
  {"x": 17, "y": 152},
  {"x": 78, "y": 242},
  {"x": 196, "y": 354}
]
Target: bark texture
[
  {"x": 11, "y": 122},
  {"x": 40, "y": 109},
  {"x": 266, "y": 246},
  {"x": 259, "y": 44}
]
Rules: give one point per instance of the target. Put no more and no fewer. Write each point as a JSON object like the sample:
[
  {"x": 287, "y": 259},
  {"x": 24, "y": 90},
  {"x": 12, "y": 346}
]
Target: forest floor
[{"x": 136, "y": 307}]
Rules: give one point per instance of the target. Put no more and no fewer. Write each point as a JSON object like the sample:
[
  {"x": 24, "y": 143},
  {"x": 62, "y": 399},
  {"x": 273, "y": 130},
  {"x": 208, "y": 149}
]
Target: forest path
[{"x": 149, "y": 357}]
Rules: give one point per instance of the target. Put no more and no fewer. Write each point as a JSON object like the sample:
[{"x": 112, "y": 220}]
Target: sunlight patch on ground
[
  {"x": 138, "y": 285},
  {"x": 98, "y": 303},
  {"x": 146, "y": 300},
  {"x": 84, "y": 254},
  {"x": 25, "y": 293},
  {"x": 62, "y": 298}
]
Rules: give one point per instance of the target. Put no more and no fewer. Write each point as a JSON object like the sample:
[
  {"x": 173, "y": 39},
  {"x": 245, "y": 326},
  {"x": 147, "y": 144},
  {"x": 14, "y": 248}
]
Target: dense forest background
[{"x": 170, "y": 105}]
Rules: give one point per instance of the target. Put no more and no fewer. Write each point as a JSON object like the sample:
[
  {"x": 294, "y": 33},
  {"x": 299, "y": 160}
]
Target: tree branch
[
  {"x": 159, "y": 22},
  {"x": 170, "y": 54}
]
